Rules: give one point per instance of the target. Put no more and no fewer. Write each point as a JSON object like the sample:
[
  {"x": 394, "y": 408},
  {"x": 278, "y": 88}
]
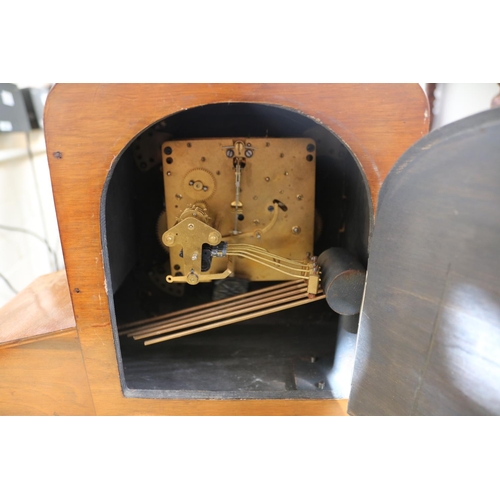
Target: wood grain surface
[
  {"x": 429, "y": 337},
  {"x": 87, "y": 126},
  {"x": 46, "y": 377},
  {"x": 43, "y": 308}
]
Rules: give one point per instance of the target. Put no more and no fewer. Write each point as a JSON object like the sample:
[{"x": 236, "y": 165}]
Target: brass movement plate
[{"x": 200, "y": 172}]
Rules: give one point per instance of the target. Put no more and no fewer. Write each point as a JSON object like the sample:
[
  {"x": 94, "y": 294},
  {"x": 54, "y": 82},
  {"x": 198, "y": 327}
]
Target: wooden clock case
[{"x": 89, "y": 128}]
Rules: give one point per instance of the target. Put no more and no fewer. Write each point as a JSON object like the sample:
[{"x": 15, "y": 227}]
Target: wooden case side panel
[
  {"x": 87, "y": 126},
  {"x": 46, "y": 377},
  {"x": 42, "y": 309}
]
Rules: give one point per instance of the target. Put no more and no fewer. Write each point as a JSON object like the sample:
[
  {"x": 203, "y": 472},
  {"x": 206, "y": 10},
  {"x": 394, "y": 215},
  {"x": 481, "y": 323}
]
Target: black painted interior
[{"x": 265, "y": 357}]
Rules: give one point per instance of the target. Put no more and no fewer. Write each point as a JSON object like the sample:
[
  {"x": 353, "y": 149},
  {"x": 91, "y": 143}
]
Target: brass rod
[
  {"x": 271, "y": 258},
  {"x": 234, "y": 312},
  {"x": 216, "y": 310},
  {"x": 263, "y": 251},
  {"x": 300, "y": 267},
  {"x": 237, "y": 254},
  {"x": 232, "y": 320},
  {"x": 123, "y": 329}
]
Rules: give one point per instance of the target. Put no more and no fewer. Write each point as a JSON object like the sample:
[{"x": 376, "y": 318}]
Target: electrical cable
[
  {"x": 31, "y": 233},
  {"x": 27, "y": 231},
  {"x": 37, "y": 188},
  {"x": 9, "y": 284}
]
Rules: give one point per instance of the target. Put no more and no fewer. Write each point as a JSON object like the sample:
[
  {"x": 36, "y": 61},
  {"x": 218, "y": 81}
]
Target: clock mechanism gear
[{"x": 199, "y": 184}]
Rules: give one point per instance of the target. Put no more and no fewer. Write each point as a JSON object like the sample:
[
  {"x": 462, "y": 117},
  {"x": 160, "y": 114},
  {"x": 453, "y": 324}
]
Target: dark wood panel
[{"x": 429, "y": 339}]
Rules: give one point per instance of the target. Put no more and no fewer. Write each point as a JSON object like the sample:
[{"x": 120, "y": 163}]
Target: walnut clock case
[{"x": 135, "y": 166}]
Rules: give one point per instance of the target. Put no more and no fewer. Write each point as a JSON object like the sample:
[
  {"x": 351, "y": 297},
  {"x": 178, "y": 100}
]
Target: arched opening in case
[{"x": 294, "y": 353}]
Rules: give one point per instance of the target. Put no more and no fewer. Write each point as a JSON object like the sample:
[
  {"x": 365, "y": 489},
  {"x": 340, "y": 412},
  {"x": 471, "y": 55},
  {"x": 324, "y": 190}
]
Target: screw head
[
  {"x": 192, "y": 278},
  {"x": 296, "y": 229},
  {"x": 213, "y": 238},
  {"x": 229, "y": 153},
  {"x": 248, "y": 153},
  {"x": 169, "y": 239}
]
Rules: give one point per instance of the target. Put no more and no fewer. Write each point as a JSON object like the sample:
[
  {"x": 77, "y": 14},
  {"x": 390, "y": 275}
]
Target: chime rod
[
  {"x": 234, "y": 312},
  {"x": 233, "y": 320},
  {"x": 123, "y": 329},
  {"x": 214, "y": 311}
]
